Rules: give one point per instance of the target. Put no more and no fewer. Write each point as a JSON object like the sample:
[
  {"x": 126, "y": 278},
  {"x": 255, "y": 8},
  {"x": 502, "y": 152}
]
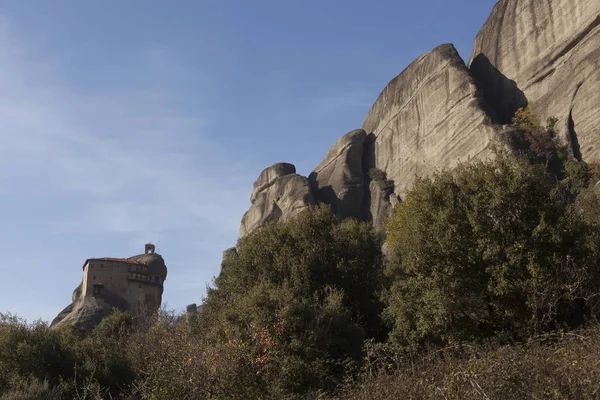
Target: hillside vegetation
[{"x": 489, "y": 288}]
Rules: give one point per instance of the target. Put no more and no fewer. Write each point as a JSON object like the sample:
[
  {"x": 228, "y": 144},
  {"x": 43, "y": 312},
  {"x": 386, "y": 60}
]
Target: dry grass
[{"x": 548, "y": 367}]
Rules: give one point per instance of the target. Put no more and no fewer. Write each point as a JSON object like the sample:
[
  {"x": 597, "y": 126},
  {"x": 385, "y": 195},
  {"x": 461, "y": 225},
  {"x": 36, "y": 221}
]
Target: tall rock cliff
[
  {"x": 339, "y": 180},
  {"x": 429, "y": 117},
  {"x": 439, "y": 112},
  {"x": 546, "y": 53}
]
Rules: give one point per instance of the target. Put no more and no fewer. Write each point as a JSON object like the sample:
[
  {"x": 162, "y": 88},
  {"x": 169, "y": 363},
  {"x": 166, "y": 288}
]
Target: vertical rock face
[
  {"x": 429, "y": 117},
  {"x": 439, "y": 112},
  {"x": 549, "y": 52},
  {"x": 339, "y": 180},
  {"x": 279, "y": 193}
]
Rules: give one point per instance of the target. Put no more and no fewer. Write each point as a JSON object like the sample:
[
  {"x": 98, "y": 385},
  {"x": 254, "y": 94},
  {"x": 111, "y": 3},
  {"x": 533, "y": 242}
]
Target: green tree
[
  {"x": 32, "y": 352},
  {"x": 301, "y": 296},
  {"x": 492, "y": 248}
]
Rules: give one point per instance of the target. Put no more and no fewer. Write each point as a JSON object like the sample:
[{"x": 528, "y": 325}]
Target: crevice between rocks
[
  {"x": 368, "y": 162},
  {"x": 571, "y": 133},
  {"x": 573, "y": 141}
]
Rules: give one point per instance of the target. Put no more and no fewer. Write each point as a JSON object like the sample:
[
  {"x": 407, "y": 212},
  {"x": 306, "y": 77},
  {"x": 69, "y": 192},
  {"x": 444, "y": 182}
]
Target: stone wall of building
[{"x": 132, "y": 284}]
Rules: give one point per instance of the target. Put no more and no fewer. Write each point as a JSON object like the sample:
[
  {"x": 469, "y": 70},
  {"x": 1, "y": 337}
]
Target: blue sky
[{"x": 123, "y": 122}]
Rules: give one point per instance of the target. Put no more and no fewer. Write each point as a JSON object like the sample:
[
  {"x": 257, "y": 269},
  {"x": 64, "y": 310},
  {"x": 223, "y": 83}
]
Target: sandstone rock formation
[
  {"x": 429, "y": 117},
  {"x": 340, "y": 179},
  {"x": 439, "y": 112},
  {"x": 85, "y": 313},
  {"x": 546, "y": 53},
  {"x": 279, "y": 193}
]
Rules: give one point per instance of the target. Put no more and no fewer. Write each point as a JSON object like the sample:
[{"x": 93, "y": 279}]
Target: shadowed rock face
[
  {"x": 339, "y": 180},
  {"x": 429, "y": 117},
  {"x": 438, "y": 112},
  {"x": 279, "y": 193},
  {"x": 86, "y": 313},
  {"x": 551, "y": 50}
]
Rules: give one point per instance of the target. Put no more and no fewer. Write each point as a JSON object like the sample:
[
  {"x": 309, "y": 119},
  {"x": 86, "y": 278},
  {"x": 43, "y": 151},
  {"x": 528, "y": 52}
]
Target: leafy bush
[
  {"x": 34, "y": 390},
  {"x": 551, "y": 124},
  {"x": 578, "y": 173},
  {"x": 101, "y": 355},
  {"x": 491, "y": 252},
  {"x": 540, "y": 145},
  {"x": 377, "y": 175},
  {"x": 491, "y": 249},
  {"x": 31, "y": 353},
  {"x": 300, "y": 296},
  {"x": 380, "y": 177},
  {"x": 548, "y": 367},
  {"x": 525, "y": 119},
  {"x": 169, "y": 361}
]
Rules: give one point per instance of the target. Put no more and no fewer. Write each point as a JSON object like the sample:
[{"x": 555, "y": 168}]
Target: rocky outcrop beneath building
[
  {"x": 86, "y": 312},
  {"x": 279, "y": 193},
  {"x": 546, "y": 53}
]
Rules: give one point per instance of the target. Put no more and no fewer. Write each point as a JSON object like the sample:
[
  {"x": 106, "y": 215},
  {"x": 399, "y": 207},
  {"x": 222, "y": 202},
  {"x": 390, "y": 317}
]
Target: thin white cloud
[
  {"x": 119, "y": 160},
  {"x": 126, "y": 152}
]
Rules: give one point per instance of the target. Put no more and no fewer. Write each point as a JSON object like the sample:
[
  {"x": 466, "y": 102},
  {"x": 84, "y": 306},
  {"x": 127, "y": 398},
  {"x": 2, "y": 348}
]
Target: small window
[
  {"x": 140, "y": 285},
  {"x": 94, "y": 278}
]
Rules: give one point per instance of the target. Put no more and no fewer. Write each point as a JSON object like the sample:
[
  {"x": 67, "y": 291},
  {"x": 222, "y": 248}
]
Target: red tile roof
[{"x": 122, "y": 260}]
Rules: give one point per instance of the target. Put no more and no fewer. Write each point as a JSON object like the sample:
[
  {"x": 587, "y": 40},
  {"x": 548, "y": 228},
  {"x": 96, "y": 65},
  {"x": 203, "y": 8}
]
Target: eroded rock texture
[
  {"x": 548, "y": 53},
  {"x": 339, "y": 180},
  {"x": 439, "y": 112},
  {"x": 279, "y": 193},
  {"x": 429, "y": 117},
  {"x": 85, "y": 313}
]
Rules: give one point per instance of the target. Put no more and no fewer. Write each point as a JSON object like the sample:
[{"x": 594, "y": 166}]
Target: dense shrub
[
  {"x": 33, "y": 390},
  {"x": 301, "y": 296},
  {"x": 578, "y": 174},
  {"x": 563, "y": 367},
  {"x": 101, "y": 355},
  {"x": 491, "y": 253},
  {"x": 34, "y": 357},
  {"x": 538, "y": 144},
  {"x": 32, "y": 353},
  {"x": 380, "y": 178},
  {"x": 493, "y": 248}
]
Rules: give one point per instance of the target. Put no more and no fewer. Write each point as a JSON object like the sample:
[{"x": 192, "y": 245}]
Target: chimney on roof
[{"x": 149, "y": 249}]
